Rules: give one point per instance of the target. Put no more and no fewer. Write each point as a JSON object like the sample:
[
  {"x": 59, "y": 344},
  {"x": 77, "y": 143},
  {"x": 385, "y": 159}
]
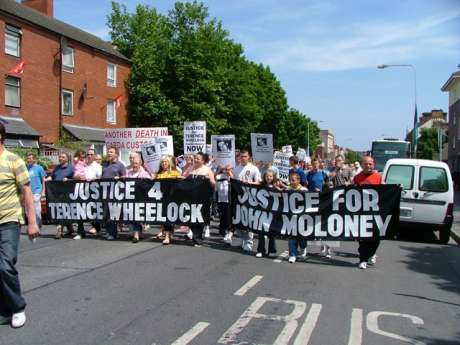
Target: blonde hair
[{"x": 170, "y": 159}]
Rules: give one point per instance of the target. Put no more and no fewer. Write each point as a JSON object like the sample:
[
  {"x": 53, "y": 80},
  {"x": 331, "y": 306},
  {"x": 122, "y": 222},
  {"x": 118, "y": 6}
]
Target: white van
[{"x": 428, "y": 193}]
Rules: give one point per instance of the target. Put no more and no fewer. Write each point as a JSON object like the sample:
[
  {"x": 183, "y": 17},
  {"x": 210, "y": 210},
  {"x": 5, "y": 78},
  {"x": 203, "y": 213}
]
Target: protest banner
[
  {"x": 151, "y": 155},
  {"x": 166, "y": 145},
  {"x": 287, "y": 149},
  {"x": 262, "y": 147},
  {"x": 343, "y": 213},
  {"x": 281, "y": 162},
  {"x": 223, "y": 149},
  {"x": 164, "y": 201},
  {"x": 131, "y": 139},
  {"x": 194, "y": 137}
]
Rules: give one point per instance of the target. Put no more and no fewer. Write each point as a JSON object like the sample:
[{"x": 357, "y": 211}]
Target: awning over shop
[
  {"x": 19, "y": 133},
  {"x": 16, "y": 126},
  {"x": 86, "y": 133}
]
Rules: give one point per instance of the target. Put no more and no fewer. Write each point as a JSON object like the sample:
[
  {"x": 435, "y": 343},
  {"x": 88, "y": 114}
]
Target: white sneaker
[
  {"x": 329, "y": 253},
  {"x": 77, "y": 237},
  {"x": 362, "y": 265},
  {"x": 18, "y": 320},
  {"x": 323, "y": 250},
  {"x": 206, "y": 231},
  {"x": 247, "y": 248},
  {"x": 304, "y": 253},
  {"x": 372, "y": 260},
  {"x": 292, "y": 259},
  {"x": 259, "y": 255},
  {"x": 189, "y": 234}
]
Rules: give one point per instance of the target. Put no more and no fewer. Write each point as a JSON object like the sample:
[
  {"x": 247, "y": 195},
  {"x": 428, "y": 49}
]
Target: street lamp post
[{"x": 414, "y": 130}]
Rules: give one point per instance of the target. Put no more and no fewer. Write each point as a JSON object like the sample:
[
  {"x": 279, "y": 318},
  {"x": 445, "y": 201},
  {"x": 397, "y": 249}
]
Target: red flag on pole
[
  {"x": 118, "y": 101},
  {"x": 19, "y": 68}
]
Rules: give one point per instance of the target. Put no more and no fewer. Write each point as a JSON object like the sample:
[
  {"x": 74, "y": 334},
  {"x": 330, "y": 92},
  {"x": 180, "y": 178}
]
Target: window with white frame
[
  {"x": 12, "y": 92},
  {"x": 112, "y": 75},
  {"x": 111, "y": 111},
  {"x": 68, "y": 59},
  {"x": 67, "y": 102},
  {"x": 13, "y": 40}
]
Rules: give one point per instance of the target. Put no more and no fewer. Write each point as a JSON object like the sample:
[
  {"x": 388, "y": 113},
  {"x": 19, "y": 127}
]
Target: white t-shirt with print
[{"x": 247, "y": 173}]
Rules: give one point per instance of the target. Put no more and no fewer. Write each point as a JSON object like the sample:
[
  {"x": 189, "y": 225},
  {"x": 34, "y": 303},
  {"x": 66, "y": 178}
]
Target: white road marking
[
  {"x": 250, "y": 284},
  {"x": 283, "y": 255},
  {"x": 373, "y": 325},
  {"x": 191, "y": 334},
  {"x": 290, "y": 320},
  {"x": 356, "y": 328},
  {"x": 308, "y": 326}
]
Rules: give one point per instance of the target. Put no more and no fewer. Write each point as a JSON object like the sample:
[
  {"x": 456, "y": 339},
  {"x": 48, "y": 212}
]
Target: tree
[
  {"x": 427, "y": 144},
  {"x": 185, "y": 68},
  {"x": 352, "y": 156}
]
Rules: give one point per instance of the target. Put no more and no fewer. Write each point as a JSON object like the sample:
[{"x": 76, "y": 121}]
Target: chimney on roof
[{"x": 43, "y": 6}]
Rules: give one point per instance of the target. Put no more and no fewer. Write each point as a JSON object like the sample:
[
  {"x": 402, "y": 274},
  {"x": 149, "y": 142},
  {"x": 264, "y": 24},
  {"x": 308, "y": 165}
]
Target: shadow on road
[
  {"x": 439, "y": 262},
  {"x": 437, "y": 341},
  {"x": 417, "y": 235}
]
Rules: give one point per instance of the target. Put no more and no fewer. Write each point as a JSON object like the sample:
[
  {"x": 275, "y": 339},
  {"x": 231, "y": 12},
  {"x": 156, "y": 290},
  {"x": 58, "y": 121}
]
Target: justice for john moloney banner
[
  {"x": 194, "y": 137},
  {"x": 223, "y": 149},
  {"x": 262, "y": 147}
]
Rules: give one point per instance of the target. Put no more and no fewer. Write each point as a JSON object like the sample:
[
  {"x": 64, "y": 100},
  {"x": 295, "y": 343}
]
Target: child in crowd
[
  {"x": 224, "y": 174},
  {"x": 293, "y": 244},
  {"x": 268, "y": 180}
]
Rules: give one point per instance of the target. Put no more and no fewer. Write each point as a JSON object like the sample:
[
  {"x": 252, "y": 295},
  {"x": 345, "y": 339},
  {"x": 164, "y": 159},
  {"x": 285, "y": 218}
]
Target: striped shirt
[{"x": 13, "y": 176}]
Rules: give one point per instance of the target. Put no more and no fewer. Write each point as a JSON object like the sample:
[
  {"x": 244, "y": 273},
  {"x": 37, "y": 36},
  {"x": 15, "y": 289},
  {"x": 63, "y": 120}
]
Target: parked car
[{"x": 427, "y": 198}]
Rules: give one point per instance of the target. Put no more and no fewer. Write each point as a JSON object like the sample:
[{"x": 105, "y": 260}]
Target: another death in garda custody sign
[
  {"x": 223, "y": 149},
  {"x": 132, "y": 138},
  {"x": 165, "y": 201},
  {"x": 194, "y": 137},
  {"x": 343, "y": 213},
  {"x": 281, "y": 161},
  {"x": 262, "y": 147}
]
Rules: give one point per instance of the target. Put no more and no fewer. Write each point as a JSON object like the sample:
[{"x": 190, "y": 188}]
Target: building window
[
  {"x": 13, "y": 92},
  {"x": 68, "y": 59},
  {"x": 13, "y": 40},
  {"x": 111, "y": 75},
  {"x": 67, "y": 102},
  {"x": 111, "y": 111}
]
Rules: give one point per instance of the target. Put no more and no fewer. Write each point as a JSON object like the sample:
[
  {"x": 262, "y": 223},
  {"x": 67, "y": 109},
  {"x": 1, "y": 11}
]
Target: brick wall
[{"x": 40, "y": 94}]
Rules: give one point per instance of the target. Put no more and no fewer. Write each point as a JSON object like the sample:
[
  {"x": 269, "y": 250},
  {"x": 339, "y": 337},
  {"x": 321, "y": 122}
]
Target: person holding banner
[
  {"x": 167, "y": 170},
  {"x": 295, "y": 168},
  {"x": 112, "y": 169},
  {"x": 200, "y": 169},
  {"x": 224, "y": 174},
  {"x": 293, "y": 244},
  {"x": 135, "y": 170},
  {"x": 249, "y": 173},
  {"x": 269, "y": 180},
  {"x": 62, "y": 172},
  {"x": 367, "y": 249}
]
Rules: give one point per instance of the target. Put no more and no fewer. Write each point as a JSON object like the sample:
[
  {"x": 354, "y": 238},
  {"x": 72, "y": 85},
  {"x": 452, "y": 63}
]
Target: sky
[{"x": 325, "y": 54}]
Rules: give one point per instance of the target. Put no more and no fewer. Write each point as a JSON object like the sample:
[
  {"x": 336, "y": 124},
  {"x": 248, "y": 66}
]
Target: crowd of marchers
[{"x": 312, "y": 175}]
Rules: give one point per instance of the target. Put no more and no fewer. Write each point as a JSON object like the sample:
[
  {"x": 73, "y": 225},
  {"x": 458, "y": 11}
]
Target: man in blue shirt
[
  {"x": 112, "y": 169},
  {"x": 62, "y": 172},
  {"x": 316, "y": 178},
  {"x": 295, "y": 168},
  {"x": 37, "y": 183}
]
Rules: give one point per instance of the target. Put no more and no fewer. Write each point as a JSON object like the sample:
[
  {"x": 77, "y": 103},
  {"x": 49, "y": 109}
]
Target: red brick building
[{"x": 72, "y": 82}]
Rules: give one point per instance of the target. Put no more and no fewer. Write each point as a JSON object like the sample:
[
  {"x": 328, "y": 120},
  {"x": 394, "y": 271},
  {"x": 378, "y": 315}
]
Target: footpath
[{"x": 455, "y": 233}]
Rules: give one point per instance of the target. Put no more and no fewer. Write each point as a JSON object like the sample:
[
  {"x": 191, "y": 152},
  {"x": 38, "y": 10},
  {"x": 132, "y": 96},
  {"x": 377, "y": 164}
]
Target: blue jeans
[
  {"x": 11, "y": 300},
  {"x": 294, "y": 244}
]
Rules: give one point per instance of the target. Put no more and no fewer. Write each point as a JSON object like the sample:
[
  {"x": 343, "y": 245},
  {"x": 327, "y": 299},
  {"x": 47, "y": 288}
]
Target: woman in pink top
[
  {"x": 79, "y": 165},
  {"x": 135, "y": 170}
]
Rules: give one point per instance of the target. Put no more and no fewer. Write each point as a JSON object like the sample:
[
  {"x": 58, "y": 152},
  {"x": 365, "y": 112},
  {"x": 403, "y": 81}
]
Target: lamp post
[
  {"x": 308, "y": 135},
  {"x": 414, "y": 130}
]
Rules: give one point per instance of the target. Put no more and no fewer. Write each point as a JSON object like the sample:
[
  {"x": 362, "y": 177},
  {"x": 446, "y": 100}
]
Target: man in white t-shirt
[
  {"x": 93, "y": 169},
  {"x": 249, "y": 173}
]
